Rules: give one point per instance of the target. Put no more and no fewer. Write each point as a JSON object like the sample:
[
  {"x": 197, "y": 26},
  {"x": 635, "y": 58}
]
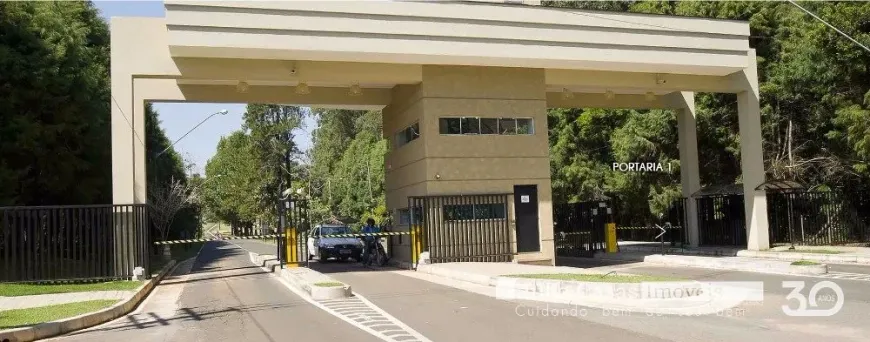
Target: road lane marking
[{"x": 369, "y": 316}]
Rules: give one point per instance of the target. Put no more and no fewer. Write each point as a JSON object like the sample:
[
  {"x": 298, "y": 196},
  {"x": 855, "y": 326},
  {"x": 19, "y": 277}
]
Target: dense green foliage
[
  {"x": 347, "y": 162},
  {"x": 55, "y": 111},
  {"x": 815, "y": 95},
  {"x": 55, "y": 122},
  {"x": 251, "y": 165},
  {"x": 54, "y": 104}
]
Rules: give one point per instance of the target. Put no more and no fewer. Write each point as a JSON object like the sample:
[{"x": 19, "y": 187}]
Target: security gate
[
  {"x": 579, "y": 228},
  {"x": 463, "y": 228}
]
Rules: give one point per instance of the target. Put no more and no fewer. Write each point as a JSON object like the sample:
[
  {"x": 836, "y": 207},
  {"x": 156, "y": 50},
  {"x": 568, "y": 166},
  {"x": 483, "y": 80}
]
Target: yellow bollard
[
  {"x": 610, "y": 238},
  {"x": 414, "y": 249},
  {"x": 292, "y": 257}
]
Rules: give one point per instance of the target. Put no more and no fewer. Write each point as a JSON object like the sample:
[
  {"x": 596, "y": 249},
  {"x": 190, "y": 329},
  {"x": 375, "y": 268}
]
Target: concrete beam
[
  {"x": 643, "y": 82},
  {"x": 597, "y": 100},
  {"x": 295, "y": 71},
  {"x": 168, "y": 90}
]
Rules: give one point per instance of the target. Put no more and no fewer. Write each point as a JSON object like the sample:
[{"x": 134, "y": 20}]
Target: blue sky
[{"x": 178, "y": 118}]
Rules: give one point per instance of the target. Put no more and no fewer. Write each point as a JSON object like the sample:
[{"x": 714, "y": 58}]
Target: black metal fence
[
  {"x": 464, "y": 228},
  {"x": 643, "y": 228},
  {"x": 721, "y": 220},
  {"x": 579, "y": 227},
  {"x": 817, "y": 218},
  {"x": 73, "y": 242}
]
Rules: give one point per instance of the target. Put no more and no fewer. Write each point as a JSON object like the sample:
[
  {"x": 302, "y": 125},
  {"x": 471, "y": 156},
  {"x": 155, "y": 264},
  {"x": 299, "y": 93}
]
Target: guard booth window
[
  {"x": 463, "y": 212},
  {"x": 485, "y": 126},
  {"x": 407, "y": 135}
]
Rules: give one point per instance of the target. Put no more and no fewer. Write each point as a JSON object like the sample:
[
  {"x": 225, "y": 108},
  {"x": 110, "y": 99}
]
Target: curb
[
  {"x": 795, "y": 256},
  {"x": 87, "y": 320},
  {"x": 712, "y": 263},
  {"x": 808, "y": 269},
  {"x": 672, "y": 298},
  {"x": 303, "y": 278}
]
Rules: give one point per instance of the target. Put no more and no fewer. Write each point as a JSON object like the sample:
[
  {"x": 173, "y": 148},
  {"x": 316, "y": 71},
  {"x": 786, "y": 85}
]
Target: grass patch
[
  {"x": 595, "y": 277},
  {"x": 24, "y": 317},
  {"x": 813, "y": 251},
  {"x": 804, "y": 263},
  {"x": 328, "y": 284},
  {"x": 21, "y": 289}
]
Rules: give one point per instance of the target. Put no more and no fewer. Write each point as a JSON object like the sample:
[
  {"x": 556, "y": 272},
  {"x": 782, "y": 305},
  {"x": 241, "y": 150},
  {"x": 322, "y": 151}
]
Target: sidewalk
[
  {"x": 26, "y": 302},
  {"x": 823, "y": 254}
]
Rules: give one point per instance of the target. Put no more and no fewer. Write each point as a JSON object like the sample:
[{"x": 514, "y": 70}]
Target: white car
[{"x": 327, "y": 247}]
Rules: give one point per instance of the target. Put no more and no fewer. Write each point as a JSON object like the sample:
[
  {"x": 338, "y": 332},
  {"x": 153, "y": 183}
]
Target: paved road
[
  {"x": 444, "y": 312},
  {"x": 223, "y": 297},
  {"x": 767, "y": 318}
]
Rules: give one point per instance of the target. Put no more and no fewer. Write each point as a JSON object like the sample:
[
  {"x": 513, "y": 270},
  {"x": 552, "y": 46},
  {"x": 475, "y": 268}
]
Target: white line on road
[{"x": 367, "y": 321}]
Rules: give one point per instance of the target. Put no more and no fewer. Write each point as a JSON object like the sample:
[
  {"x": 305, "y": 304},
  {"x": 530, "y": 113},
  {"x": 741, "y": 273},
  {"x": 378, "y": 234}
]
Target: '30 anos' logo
[{"x": 812, "y": 299}]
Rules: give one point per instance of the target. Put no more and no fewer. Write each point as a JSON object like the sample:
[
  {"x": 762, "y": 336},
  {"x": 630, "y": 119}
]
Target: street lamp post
[{"x": 222, "y": 112}]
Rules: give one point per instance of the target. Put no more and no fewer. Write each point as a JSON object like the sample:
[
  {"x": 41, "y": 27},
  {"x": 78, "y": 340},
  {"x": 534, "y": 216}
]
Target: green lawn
[
  {"x": 812, "y": 251},
  {"x": 805, "y": 263},
  {"x": 19, "y": 289},
  {"x": 594, "y": 277},
  {"x": 24, "y": 317},
  {"x": 328, "y": 284}
]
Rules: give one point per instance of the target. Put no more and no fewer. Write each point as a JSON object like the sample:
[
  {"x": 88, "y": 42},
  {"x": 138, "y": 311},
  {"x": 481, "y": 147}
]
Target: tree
[
  {"x": 814, "y": 87},
  {"x": 165, "y": 202},
  {"x": 234, "y": 181},
  {"x": 54, "y": 104}
]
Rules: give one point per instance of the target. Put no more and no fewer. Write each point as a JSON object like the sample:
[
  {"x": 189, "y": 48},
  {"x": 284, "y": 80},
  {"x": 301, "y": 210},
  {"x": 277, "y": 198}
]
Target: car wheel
[{"x": 344, "y": 258}]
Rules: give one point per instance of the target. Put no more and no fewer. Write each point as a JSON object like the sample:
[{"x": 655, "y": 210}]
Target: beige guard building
[{"x": 464, "y": 87}]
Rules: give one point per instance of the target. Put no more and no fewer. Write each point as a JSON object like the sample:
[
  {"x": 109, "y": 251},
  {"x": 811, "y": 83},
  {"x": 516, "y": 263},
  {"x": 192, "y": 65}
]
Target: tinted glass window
[
  {"x": 507, "y": 126},
  {"x": 470, "y": 126},
  {"x": 525, "y": 126},
  {"x": 449, "y": 126},
  {"x": 488, "y": 126}
]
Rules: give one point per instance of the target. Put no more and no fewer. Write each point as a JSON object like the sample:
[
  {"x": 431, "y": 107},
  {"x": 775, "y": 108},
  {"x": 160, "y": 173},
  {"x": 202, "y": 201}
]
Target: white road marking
[{"x": 361, "y": 313}]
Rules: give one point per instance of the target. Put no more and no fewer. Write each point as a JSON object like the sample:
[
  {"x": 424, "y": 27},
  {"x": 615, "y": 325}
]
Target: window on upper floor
[
  {"x": 486, "y": 126},
  {"x": 407, "y": 135}
]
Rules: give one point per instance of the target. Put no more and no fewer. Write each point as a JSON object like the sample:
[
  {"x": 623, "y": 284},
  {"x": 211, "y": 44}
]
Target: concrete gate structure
[{"x": 426, "y": 65}]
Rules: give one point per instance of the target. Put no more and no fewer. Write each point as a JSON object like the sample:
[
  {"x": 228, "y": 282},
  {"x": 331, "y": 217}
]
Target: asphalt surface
[{"x": 223, "y": 297}]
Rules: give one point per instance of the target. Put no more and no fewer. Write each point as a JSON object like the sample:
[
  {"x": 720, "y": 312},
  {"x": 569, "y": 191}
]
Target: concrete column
[
  {"x": 122, "y": 148},
  {"x": 140, "y": 183},
  {"x": 689, "y": 170},
  {"x": 751, "y": 159}
]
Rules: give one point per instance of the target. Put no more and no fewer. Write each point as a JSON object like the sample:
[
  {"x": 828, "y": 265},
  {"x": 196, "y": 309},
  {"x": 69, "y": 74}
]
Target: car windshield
[{"x": 334, "y": 230}]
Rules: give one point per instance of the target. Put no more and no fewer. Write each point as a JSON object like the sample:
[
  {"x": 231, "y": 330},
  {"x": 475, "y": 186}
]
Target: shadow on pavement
[
  {"x": 591, "y": 262},
  {"x": 148, "y": 320},
  {"x": 346, "y": 267}
]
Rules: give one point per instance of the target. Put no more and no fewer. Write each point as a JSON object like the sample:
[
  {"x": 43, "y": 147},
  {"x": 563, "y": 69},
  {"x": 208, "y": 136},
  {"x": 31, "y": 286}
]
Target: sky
[{"x": 179, "y": 118}]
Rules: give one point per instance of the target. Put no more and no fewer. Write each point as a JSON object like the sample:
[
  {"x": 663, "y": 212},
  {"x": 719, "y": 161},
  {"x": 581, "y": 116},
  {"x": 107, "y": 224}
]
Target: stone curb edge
[
  {"x": 796, "y": 256},
  {"x": 87, "y": 320},
  {"x": 295, "y": 276},
  {"x": 651, "y": 260},
  {"x": 551, "y": 290}
]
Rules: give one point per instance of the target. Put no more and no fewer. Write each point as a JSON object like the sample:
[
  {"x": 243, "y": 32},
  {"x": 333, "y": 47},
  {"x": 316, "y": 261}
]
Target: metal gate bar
[{"x": 462, "y": 228}]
